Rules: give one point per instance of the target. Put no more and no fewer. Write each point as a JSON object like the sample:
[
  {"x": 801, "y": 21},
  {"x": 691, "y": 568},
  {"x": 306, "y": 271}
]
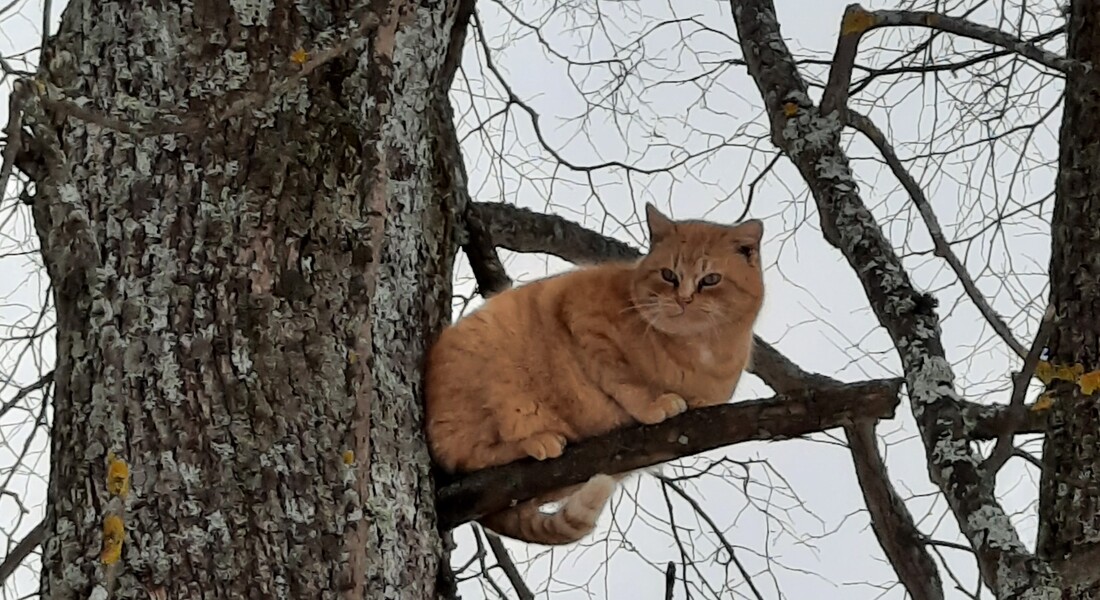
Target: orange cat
[{"x": 579, "y": 354}]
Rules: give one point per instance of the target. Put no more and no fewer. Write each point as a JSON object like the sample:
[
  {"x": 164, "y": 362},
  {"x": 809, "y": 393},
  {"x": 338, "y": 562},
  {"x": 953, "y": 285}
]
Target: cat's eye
[
  {"x": 669, "y": 276},
  {"x": 709, "y": 279}
]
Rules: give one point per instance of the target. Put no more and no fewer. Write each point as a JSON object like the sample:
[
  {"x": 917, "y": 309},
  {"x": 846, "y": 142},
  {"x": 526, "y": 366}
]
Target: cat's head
[{"x": 699, "y": 276}]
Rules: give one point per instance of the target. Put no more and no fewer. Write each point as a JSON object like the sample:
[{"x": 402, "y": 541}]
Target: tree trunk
[
  {"x": 1069, "y": 500},
  {"x": 243, "y": 296}
]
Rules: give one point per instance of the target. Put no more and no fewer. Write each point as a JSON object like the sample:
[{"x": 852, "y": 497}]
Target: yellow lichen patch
[
  {"x": 118, "y": 476},
  {"x": 856, "y": 21},
  {"x": 790, "y": 109},
  {"x": 1044, "y": 402},
  {"x": 353, "y": 357},
  {"x": 300, "y": 56},
  {"x": 349, "y": 457},
  {"x": 1047, "y": 372},
  {"x": 113, "y": 532},
  {"x": 1089, "y": 382}
]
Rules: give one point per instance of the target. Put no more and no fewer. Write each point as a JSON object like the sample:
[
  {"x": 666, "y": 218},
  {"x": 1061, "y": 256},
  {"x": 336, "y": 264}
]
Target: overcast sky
[{"x": 797, "y": 520}]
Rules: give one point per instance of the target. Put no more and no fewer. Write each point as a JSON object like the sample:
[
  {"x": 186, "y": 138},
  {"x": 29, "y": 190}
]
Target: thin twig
[
  {"x": 485, "y": 566},
  {"x": 717, "y": 531},
  {"x": 756, "y": 180},
  {"x": 43, "y": 381}
]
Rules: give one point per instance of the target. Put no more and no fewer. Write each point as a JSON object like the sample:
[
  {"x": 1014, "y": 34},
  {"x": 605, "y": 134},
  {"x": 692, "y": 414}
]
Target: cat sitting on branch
[{"x": 577, "y": 355}]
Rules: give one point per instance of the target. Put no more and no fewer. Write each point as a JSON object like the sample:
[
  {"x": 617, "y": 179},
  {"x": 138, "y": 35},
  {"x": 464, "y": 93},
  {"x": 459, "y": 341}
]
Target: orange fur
[{"x": 579, "y": 354}]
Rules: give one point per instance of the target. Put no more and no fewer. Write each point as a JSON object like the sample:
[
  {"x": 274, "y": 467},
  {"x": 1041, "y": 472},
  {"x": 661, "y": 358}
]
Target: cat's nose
[{"x": 681, "y": 300}]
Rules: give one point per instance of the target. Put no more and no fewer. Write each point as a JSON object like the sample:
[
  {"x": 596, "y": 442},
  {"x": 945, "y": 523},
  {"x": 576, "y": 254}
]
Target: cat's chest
[
  {"x": 699, "y": 371},
  {"x": 705, "y": 358}
]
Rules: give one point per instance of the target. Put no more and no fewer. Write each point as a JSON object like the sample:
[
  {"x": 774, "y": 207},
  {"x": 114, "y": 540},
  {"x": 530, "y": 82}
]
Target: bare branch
[
  {"x": 504, "y": 560},
  {"x": 484, "y": 262},
  {"x": 893, "y": 524},
  {"x": 781, "y": 417},
  {"x": 21, "y": 551},
  {"x": 812, "y": 141},
  {"x": 969, "y": 29},
  {"x": 1016, "y": 410},
  {"x": 488, "y": 271},
  {"x": 867, "y": 127},
  {"x": 857, "y": 21},
  {"x": 523, "y": 230},
  {"x": 891, "y": 521},
  {"x": 726, "y": 545},
  {"x": 993, "y": 421}
]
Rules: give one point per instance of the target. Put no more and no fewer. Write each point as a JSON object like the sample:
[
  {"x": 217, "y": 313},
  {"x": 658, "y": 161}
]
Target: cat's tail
[{"x": 574, "y": 519}]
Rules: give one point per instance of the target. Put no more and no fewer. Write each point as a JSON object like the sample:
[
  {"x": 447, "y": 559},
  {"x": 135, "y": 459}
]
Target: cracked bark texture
[
  {"x": 1069, "y": 498},
  {"x": 242, "y": 309}
]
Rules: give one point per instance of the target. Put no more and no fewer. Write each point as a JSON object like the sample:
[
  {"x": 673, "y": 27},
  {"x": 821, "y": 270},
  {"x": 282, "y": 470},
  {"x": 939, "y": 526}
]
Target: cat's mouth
[{"x": 678, "y": 320}]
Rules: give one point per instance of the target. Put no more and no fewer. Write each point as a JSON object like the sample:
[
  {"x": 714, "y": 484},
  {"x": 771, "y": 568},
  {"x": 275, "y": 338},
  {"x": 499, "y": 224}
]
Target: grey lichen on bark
[
  {"x": 812, "y": 142},
  {"x": 242, "y": 308}
]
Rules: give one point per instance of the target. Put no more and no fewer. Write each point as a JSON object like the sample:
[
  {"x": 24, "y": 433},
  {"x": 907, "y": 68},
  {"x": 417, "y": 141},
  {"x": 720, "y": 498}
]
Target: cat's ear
[
  {"x": 747, "y": 234},
  {"x": 659, "y": 225}
]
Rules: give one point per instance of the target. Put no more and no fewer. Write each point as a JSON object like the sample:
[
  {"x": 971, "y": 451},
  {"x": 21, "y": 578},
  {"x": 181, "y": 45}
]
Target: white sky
[{"x": 820, "y": 544}]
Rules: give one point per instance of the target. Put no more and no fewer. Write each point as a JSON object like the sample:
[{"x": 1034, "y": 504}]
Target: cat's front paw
[
  {"x": 664, "y": 407},
  {"x": 543, "y": 446}
]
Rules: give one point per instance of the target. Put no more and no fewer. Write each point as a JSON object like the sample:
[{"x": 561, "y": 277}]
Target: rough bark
[
  {"x": 1069, "y": 497},
  {"x": 811, "y": 140},
  {"x": 249, "y": 250}
]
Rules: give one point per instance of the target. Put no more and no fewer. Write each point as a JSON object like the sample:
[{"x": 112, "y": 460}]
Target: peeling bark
[
  {"x": 242, "y": 309},
  {"x": 1069, "y": 494}
]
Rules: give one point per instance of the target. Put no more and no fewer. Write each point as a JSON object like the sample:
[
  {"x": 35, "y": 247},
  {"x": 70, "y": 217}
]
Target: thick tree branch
[
  {"x": 782, "y": 417},
  {"x": 488, "y": 271},
  {"x": 812, "y": 141},
  {"x": 477, "y": 243},
  {"x": 522, "y": 230},
  {"x": 528, "y": 231},
  {"x": 891, "y": 521},
  {"x": 893, "y": 524},
  {"x": 867, "y": 127}
]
